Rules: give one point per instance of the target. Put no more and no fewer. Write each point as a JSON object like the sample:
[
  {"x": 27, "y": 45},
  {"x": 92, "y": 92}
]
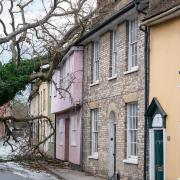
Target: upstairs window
[
  {"x": 44, "y": 99},
  {"x": 133, "y": 48},
  {"x": 95, "y": 62},
  {"x": 113, "y": 63}
]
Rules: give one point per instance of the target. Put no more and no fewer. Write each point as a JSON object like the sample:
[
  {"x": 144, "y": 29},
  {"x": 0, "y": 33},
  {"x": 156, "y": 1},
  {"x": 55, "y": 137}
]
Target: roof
[
  {"x": 152, "y": 108},
  {"x": 163, "y": 6},
  {"x": 105, "y": 21}
]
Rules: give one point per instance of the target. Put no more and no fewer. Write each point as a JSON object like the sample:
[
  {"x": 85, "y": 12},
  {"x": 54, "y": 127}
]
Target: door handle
[{"x": 111, "y": 139}]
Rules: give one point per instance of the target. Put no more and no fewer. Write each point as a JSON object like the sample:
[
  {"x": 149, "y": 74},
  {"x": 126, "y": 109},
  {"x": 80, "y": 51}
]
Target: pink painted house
[{"x": 66, "y": 104}]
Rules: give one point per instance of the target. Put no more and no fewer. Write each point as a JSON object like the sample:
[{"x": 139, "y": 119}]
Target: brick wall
[{"x": 113, "y": 95}]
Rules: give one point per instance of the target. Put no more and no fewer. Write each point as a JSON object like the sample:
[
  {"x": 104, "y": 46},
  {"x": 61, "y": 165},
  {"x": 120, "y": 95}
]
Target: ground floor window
[
  {"x": 95, "y": 131},
  {"x": 61, "y": 132},
  {"x": 74, "y": 130},
  {"x": 132, "y": 130}
]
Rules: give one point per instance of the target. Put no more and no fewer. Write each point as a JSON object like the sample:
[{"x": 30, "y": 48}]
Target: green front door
[{"x": 159, "y": 162}]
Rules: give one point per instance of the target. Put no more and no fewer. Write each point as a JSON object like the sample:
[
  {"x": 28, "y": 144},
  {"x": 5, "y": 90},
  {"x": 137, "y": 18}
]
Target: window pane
[
  {"x": 133, "y": 37},
  {"x": 94, "y": 115},
  {"x": 132, "y": 122},
  {"x": 114, "y": 52},
  {"x": 74, "y": 130}
]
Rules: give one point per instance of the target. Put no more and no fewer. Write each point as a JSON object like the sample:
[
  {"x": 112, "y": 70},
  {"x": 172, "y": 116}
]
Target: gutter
[
  {"x": 121, "y": 12},
  {"x": 172, "y": 13}
]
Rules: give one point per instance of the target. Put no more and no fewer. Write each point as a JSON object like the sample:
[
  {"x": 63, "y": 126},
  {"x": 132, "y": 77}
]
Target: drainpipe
[
  {"x": 146, "y": 87},
  {"x": 81, "y": 142},
  {"x": 115, "y": 152},
  {"x": 55, "y": 138},
  {"x": 82, "y": 118},
  {"x": 146, "y": 84}
]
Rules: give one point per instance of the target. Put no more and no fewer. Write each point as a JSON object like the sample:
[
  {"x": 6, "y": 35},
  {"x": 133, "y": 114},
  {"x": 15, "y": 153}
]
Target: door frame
[
  {"x": 113, "y": 125},
  {"x": 152, "y": 154},
  {"x": 66, "y": 138}
]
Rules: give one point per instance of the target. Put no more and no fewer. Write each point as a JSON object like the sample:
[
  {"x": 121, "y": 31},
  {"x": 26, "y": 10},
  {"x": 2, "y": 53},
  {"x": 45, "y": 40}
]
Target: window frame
[
  {"x": 44, "y": 99},
  {"x": 94, "y": 138},
  {"x": 41, "y": 109},
  {"x": 50, "y": 131},
  {"x": 132, "y": 114},
  {"x": 95, "y": 71},
  {"x": 114, "y": 54},
  {"x": 61, "y": 132},
  {"x": 74, "y": 129},
  {"x": 133, "y": 43},
  {"x": 54, "y": 88}
]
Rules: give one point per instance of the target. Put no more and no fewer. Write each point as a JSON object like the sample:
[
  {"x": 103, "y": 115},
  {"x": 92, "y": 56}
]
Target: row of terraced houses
[{"x": 114, "y": 99}]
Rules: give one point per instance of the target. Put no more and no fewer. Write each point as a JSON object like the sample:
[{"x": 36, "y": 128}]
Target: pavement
[{"x": 69, "y": 174}]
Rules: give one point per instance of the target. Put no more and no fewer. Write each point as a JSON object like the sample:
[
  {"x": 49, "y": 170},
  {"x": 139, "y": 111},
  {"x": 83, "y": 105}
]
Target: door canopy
[{"x": 156, "y": 115}]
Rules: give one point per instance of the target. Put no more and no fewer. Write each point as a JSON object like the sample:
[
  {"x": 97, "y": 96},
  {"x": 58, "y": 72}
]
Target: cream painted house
[
  {"x": 163, "y": 114},
  {"x": 34, "y": 111},
  {"x": 44, "y": 109},
  {"x": 40, "y": 105}
]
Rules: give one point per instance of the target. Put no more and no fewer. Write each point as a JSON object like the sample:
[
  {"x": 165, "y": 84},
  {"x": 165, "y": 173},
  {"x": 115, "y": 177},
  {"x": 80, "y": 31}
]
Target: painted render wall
[
  {"x": 44, "y": 124},
  {"x": 74, "y": 151},
  {"x": 165, "y": 85},
  {"x": 60, "y": 104}
]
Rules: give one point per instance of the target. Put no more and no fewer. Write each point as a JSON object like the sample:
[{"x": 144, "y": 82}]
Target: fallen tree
[{"x": 34, "y": 41}]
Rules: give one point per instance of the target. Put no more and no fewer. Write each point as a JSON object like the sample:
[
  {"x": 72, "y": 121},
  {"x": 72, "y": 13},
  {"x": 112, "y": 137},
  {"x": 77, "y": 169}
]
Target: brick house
[{"x": 114, "y": 94}]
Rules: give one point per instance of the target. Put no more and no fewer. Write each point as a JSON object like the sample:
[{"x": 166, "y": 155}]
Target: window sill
[
  {"x": 131, "y": 71},
  {"x": 94, "y": 84},
  {"x": 112, "y": 78},
  {"x": 93, "y": 157},
  {"x": 73, "y": 145},
  {"x": 130, "y": 161}
]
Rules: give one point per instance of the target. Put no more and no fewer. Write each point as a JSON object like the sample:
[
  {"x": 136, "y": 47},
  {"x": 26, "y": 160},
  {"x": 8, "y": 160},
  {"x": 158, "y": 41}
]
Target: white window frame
[
  {"x": 54, "y": 89},
  {"x": 50, "y": 131},
  {"x": 96, "y": 62},
  {"x": 94, "y": 132},
  {"x": 41, "y": 101},
  {"x": 74, "y": 130},
  {"x": 132, "y": 127},
  {"x": 133, "y": 44},
  {"x": 114, "y": 54},
  {"x": 44, "y": 99},
  {"x": 50, "y": 89},
  {"x": 61, "y": 132}
]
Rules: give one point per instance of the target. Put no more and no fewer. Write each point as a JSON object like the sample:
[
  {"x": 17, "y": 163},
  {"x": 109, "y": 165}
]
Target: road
[{"x": 14, "y": 171}]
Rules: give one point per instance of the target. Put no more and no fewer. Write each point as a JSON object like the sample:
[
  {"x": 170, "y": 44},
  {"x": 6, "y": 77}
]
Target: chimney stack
[
  {"x": 154, "y": 3},
  {"x": 101, "y": 4}
]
